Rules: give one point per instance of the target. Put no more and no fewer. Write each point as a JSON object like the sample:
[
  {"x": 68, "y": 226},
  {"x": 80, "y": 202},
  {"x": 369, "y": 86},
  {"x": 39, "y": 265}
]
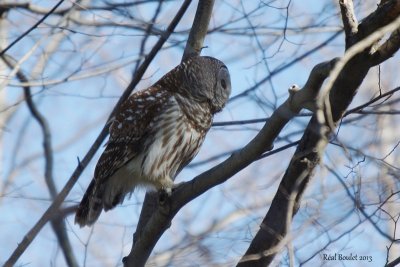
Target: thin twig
[
  {"x": 57, "y": 224},
  {"x": 31, "y": 28},
  {"x": 313, "y": 142},
  {"x": 147, "y": 34},
  {"x": 285, "y": 66},
  {"x": 163, "y": 214},
  {"x": 53, "y": 209},
  {"x": 360, "y": 107},
  {"x": 323, "y": 102},
  {"x": 81, "y": 7}
]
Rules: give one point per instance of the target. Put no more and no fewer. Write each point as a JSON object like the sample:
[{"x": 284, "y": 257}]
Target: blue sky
[{"x": 77, "y": 110}]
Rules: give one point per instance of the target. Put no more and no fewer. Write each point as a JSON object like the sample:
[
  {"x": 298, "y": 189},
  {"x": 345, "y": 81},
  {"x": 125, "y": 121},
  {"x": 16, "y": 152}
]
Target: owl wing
[{"x": 128, "y": 128}]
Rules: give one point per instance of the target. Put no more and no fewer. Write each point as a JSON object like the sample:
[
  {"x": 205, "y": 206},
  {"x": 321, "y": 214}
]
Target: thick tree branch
[
  {"x": 306, "y": 97},
  {"x": 385, "y": 13},
  {"x": 199, "y": 29},
  {"x": 349, "y": 21},
  {"x": 344, "y": 80},
  {"x": 193, "y": 47},
  {"x": 357, "y": 48},
  {"x": 387, "y": 49},
  {"x": 393, "y": 263},
  {"x": 54, "y": 207},
  {"x": 162, "y": 215}
]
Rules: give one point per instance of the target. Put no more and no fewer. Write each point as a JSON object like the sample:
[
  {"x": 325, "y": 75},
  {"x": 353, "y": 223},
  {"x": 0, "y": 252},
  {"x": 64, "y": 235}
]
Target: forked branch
[
  {"x": 162, "y": 216},
  {"x": 338, "y": 91}
]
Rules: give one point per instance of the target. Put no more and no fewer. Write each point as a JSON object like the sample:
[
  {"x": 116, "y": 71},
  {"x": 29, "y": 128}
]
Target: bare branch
[
  {"x": 349, "y": 21},
  {"x": 193, "y": 48},
  {"x": 31, "y": 28},
  {"x": 385, "y": 13},
  {"x": 306, "y": 97},
  {"x": 108, "y": 67},
  {"x": 199, "y": 29},
  {"x": 387, "y": 49},
  {"x": 162, "y": 215},
  {"x": 350, "y": 53},
  {"x": 361, "y": 107},
  {"x": 285, "y": 66},
  {"x": 57, "y": 224},
  {"x": 273, "y": 229},
  {"x": 61, "y": 11},
  {"x": 147, "y": 34},
  {"x": 70, "y": 47},
  {"x": 393, "y": 263},
  {"x": 54, "y": 207}
]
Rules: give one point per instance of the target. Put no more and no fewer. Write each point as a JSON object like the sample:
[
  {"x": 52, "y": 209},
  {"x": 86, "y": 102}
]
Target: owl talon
[
  {"x": 168, "y": 191},
  {"x": 155, "y": 133},
  {"x": 175, "y": 186},
  {"x": 164, "y": 195}
]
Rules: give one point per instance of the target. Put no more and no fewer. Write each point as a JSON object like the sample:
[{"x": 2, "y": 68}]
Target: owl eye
[{"x": 223, "y": 83}]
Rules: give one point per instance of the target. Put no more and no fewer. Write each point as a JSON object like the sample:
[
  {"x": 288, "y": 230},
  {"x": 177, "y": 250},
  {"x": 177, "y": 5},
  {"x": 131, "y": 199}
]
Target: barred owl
[{"x": 156, "y": 133}]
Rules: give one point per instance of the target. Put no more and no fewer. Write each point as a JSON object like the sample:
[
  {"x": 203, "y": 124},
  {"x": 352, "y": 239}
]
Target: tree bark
[{"x": 274, "y": 229}]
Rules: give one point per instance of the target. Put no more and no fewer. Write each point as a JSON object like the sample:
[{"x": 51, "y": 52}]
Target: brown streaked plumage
[{"x": 156, "y": 133}]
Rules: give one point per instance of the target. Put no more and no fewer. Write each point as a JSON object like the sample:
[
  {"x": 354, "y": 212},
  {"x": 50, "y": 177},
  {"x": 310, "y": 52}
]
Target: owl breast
[
  {"x": 155, "y": 133},
  {"x": 174, "y": 143}
]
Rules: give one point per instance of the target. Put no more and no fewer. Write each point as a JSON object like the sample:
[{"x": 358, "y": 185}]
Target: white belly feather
[
  {"x": 175, "y": 139},
  {"x": 175, "y": 142}
]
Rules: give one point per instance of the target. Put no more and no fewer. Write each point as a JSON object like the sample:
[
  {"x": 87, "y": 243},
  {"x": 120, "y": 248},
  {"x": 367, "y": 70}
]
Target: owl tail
[{"x": 91, "y": 205}]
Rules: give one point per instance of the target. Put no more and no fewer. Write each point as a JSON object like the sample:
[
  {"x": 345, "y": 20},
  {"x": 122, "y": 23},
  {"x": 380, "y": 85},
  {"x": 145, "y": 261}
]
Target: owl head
[{"x": 202, "y": 79}]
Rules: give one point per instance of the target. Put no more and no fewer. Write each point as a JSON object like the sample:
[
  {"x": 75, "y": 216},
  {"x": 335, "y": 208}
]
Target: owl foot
[
  {"x": 164, "y": 195},
  {"x": 176, "y": 186}
]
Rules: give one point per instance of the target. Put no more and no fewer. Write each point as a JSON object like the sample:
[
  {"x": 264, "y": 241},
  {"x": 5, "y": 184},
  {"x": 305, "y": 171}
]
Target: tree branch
[
  {"x": 162, "y": 215},
  {"x": 54, "y": 207},
  {"x": 349, "y": 21},
  {"x": 285, "y": 66},
  {"x": 393, "y": 263},
  {"x": 357, "y": 48},
  {"x": 199, "y": 29},
  {"x": 344, "y": 80},
  {"x": 193, "y": 47},
  {"x": 28, "y": 5},
  {"x": 57, "y": 224},
  {"x": 387, "y": 49},
  {"x": 31, "y": 28}
]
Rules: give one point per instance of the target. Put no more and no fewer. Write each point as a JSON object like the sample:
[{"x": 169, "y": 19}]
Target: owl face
[
  {"x": 207, "y": 79},
  {"x": 222, "y": 89}
]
